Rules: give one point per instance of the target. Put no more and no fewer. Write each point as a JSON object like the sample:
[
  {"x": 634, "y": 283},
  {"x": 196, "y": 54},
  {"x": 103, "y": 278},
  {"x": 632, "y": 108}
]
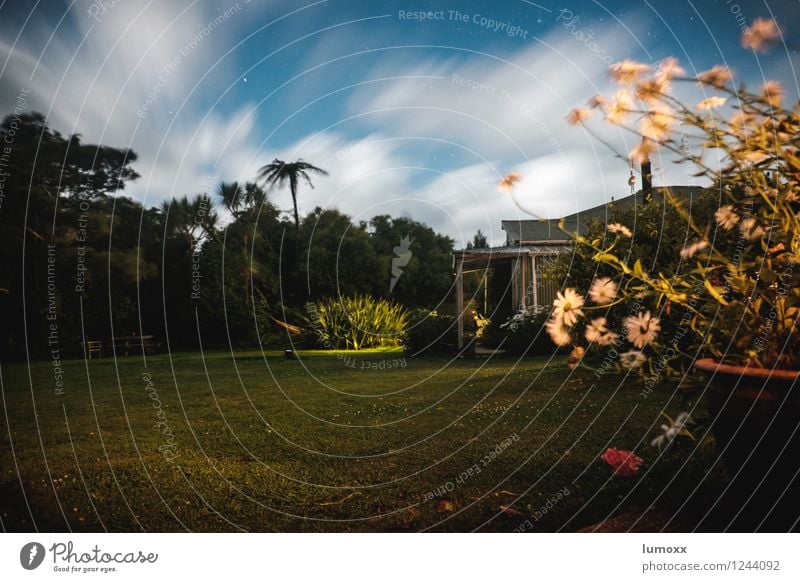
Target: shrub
[
  {"x": 431, "y": 332},
  {"x": 523, "y": 333},
  {"x": 360, "y": 322}
]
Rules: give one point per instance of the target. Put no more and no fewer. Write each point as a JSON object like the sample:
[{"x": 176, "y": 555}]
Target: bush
[
  {"x": 523, "y": 333},
  {"x": 431, "y": 332},
  {"x": 357, "y": 323}
]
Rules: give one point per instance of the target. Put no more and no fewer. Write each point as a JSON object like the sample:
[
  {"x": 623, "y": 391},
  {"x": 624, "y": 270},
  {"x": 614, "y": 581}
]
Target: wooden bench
[{"x": 93, "y": 347}]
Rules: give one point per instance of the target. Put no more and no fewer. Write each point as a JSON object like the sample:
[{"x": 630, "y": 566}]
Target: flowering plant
[
  {"x": 518, "y": 320},
  {"x": 735, "y": 294},
  {"x": 521, "y": 333},
  {"x": 624, "y": 463}
]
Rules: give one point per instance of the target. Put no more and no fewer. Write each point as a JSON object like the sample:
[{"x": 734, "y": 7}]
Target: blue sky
[{"x": 411, "y": 116}]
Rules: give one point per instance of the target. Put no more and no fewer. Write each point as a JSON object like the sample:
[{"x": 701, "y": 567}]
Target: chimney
[{"x": 647, "y": 180}]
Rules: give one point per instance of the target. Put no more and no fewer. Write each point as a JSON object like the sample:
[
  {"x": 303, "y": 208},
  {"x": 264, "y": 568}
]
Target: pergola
[{"x": 528, "y": 288}]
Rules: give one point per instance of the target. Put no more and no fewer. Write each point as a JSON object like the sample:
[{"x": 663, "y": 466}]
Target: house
[{"x": 531, "y": 244}]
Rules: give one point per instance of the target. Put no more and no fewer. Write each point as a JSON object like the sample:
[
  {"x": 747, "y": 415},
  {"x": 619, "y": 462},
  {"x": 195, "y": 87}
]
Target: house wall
[
  {"x": 546, "y": 288},
  {"x": 530, "y": 287}
]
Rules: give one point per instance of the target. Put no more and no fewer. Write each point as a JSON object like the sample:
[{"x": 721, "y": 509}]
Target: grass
[{"x": 333, "y": 441}]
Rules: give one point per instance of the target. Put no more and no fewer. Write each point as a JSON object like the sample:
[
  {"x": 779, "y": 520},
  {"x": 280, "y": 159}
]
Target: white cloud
[
  {"x": 510, "y": 112},
  {"x": 431, "y": 146},
  {"x": 148, "y": 59}
]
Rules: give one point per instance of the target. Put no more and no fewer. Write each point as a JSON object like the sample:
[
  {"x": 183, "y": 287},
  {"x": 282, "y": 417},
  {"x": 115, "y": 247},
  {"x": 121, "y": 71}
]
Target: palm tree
[
  {"x": 254, "y": 195},
  {"x": 241, "y": 200},
  {"x": 232, "y": 196},
  {"x": 278, "y": 172}
]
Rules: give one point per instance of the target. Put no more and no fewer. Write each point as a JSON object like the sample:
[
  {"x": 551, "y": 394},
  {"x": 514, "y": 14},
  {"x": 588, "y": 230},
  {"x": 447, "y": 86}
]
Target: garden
[
  {"x": 339, "y": 441},
  {"x": 306, "y": 373}
]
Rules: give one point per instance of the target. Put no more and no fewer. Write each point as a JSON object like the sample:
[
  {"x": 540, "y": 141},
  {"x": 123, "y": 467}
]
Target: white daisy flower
[
  {"x": 762, "y": 33},
  {"x": 711, "y": 103},
  {"x": 642, "y": 329},
  {"x": 627, "y": 71},
  {"x": 751, "y": 230},
  {"x": 577, "y": 116},
  {"x": 669, "y": 68},
  {"x": 772, "y": 92},
  {"x": 632, "y": 359},
  {"x": 620, "y": 107},
  {"x": 567, "y": 306},
  {"x": 726, "y": 217},
  {"x": 617, "y": 228},
  {"x": 669, "y": 432},
  {"x": 603, "y": 291},
  {"x": 693, "y": 249},
  {"x": 718, "y": 76},
  {"x": 558, "y": 333},
  {"x": 598, "y": 333}
]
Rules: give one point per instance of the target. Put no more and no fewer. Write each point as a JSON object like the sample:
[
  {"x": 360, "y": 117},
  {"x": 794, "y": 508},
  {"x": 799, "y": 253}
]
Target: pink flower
[{"x": 624, "y": 463}]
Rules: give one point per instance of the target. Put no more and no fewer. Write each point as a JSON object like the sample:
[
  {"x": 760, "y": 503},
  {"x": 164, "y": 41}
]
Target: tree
[
  {"x": 337, "y": 257},
  {"x": 232, "y": 196},
  {"x": 279, "y": 172},
  {"x": 52, "y": 186},
  {"x": 478, "y": 241},
  {"x": 427, "y": 278}
]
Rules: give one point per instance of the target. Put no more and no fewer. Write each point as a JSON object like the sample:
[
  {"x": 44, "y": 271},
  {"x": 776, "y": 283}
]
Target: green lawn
[{"x": 327, "y": 443}]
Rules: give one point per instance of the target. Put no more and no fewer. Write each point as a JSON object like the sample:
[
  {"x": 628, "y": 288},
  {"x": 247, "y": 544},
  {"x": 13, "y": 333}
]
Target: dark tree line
[{"x": 82, "y": 261}]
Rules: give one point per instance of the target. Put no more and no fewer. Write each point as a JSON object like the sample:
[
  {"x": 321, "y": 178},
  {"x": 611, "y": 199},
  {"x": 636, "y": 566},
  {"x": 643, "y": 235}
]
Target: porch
[{"x": 529, "y": 286}]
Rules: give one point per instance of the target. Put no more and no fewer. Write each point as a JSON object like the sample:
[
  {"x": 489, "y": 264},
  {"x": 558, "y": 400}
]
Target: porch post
[
  {"x": 460, "y": 301},
  {"x": 516, "y": 277},
  {"x": 535, "y": 284}
]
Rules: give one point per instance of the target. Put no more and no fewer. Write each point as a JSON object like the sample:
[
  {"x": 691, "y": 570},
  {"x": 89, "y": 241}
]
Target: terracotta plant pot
[{"x": 755, "y": 419}]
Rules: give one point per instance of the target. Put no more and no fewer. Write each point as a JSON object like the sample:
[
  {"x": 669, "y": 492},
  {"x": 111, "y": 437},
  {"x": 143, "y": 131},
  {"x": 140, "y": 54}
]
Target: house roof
[
  {"x": 484, "y": 257},
  {"x": 548, "y": 231}
]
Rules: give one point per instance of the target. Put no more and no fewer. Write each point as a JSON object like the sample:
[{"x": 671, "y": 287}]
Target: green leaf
[{"x": 714, "y": 293}]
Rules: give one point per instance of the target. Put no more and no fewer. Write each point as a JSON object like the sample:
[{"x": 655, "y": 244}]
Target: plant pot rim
[{"x": 711, "y": 365}]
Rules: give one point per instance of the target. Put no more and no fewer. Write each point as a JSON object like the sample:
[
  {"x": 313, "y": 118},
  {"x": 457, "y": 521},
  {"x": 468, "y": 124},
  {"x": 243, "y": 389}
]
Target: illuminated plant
[
  {"x": 735, "y": 296},
  {"x": 357, "y": 323}
]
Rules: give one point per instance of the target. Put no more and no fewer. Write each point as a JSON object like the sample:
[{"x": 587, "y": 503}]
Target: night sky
[{"x": 415, "y": 108}]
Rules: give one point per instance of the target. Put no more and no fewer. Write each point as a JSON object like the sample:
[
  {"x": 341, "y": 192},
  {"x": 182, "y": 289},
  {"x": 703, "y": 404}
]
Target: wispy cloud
[{"x": 423, "y": 131}]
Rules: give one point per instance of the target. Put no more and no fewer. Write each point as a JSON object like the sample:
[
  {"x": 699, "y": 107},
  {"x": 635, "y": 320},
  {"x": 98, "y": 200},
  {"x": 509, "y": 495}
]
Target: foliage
[
  {"x": 427, "y": 279},
  {"x": 337, "y": 258},
  {"x": 360, "y": 322},
  {"x": 660, "y": 234},
  {"x": 431, "y": 332},
  {"x": 279, "y": 172},
  {"x": 479, "y": 241},
  {"x": 523, "y": 333},
  {"x": 735, "y": 293},
  {"x": 55, "y": 202},
  {"x": 217, "y": 268}
]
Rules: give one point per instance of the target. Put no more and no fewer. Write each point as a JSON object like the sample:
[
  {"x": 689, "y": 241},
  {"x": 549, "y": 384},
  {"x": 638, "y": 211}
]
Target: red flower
[{"x": 624, "y": 463}]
